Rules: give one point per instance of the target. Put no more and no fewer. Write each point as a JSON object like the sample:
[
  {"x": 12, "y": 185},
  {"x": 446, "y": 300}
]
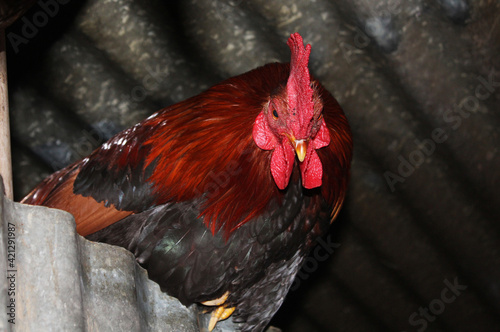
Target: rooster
[{"x": 221, "y": 196}]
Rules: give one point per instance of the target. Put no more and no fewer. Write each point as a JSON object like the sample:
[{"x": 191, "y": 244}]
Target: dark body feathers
[
  {"x": 188, "y": 262},
  {"x": 191, "y": 195}
]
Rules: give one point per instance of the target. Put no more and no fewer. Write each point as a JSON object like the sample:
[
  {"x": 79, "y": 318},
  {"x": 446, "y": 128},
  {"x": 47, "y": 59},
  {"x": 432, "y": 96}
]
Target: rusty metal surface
[{"x": 417, "y": 244}]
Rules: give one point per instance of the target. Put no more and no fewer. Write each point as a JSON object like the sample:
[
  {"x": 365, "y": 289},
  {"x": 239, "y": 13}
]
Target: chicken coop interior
[{"x": 416, "y": 245}]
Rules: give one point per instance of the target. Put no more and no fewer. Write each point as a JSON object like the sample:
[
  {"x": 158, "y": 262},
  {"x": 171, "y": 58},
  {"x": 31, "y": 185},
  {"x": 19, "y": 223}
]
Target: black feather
[{"x": 257, "y": 264}]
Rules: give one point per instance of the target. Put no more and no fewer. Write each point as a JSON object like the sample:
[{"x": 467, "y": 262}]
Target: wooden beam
[{"x": 5, "y": 155}]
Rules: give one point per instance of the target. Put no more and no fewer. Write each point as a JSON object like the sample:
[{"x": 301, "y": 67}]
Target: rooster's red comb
[{"x": 298, "y": 87}]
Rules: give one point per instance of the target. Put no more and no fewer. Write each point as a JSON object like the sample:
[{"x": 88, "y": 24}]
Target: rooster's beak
[{"x": 300, "y": 146}]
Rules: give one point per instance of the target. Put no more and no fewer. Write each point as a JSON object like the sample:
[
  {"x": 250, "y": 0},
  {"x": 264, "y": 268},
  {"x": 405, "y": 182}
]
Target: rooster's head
[{"x": 291, "y": 123}]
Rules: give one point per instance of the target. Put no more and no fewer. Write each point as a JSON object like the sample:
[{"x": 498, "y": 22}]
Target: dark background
[{"x": 416, "y": 246}]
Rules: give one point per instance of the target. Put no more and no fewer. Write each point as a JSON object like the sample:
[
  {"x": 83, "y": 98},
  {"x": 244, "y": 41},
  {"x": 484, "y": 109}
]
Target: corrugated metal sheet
[
  {"x": 417, "y": 244},
  {"x": 58, "y": 281}
]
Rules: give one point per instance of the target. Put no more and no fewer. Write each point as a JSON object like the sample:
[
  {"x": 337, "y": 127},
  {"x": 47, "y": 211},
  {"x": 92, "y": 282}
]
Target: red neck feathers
[{"x": 204, "y": 148}]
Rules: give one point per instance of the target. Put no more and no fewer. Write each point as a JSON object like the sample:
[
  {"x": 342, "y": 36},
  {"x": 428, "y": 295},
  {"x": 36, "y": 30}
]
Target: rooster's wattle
[{"x": 221, "y": 196}]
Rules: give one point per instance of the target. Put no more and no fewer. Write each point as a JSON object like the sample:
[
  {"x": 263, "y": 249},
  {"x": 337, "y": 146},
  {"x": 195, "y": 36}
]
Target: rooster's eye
[{"x": 275, "y": 114}]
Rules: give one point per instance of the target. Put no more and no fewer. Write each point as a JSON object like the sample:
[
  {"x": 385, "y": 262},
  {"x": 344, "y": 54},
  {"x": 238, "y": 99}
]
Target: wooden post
[{"x": 5, "y": 156}]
